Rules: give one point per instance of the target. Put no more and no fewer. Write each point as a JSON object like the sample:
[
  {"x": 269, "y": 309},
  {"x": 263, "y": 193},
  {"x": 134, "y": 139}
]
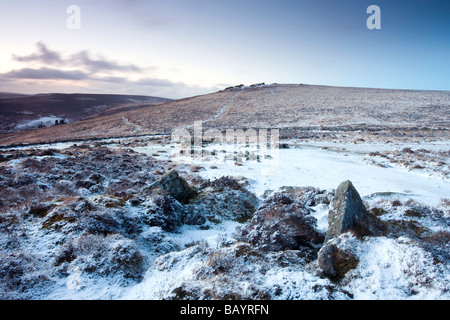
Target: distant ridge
[
  {"x": 17, "y": 110},
  {"x": 11, "y": 95}
]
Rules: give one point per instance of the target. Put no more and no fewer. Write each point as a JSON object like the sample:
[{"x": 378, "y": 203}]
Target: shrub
[
  {"x": 104, "y": 256},
  {"x": 40, "y": 210},
  {"x": 20, "y": 275},
  {"x": 65, "y": 188}
]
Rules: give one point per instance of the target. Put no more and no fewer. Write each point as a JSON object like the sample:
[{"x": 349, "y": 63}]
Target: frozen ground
[
  {"x": 319, "y": 164},
  {"x": 389, "y": 267},
  {"x": 325, "y": 165}
]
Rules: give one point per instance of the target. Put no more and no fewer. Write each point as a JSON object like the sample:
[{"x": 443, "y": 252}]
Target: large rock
[
  {"x": 281, "y": 223},
  {"x": 166, "y": 212},
  {"x": 227, "y": 204},
  {"x": 334, "y": 262},
  {"x": 175, "y": 186},
  {"x": 222, "y": 199},
  {"x": 348, "y": 213}
]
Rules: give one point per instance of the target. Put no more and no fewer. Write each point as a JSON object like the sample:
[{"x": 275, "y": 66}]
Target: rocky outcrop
[
  {"x": 174, "y": 185},
  {"x": 281, "y": 223},
  {"x": 165, "y": 212},
  {"x": 212, "y": 202},
  {"x": 217, "y": 205},
  {"x": 348, "y": 213}
]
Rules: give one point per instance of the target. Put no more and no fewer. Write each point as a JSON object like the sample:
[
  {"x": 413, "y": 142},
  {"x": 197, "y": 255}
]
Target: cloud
[
  {"x": 43, "y": 55},
  {"x": 83, "y": 58},
  {"x": 45, "y": 74},
  {"x": 93, "y": 73},
  {"x": 111, "y": 79},
  {"x": 154, "y": 82},
  {"x": 94, "y": 69}
]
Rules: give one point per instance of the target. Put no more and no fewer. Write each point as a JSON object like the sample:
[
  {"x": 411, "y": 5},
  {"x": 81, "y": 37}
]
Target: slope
[{"x": 295, "y": 109}]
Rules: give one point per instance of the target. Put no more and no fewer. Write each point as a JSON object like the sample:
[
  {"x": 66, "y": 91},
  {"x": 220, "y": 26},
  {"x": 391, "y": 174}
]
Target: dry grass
[{"x": 298, "y": 109}]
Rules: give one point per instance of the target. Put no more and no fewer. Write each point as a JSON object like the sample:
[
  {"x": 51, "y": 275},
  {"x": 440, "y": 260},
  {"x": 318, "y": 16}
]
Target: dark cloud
[
  {"x": 83, "y": 58},
  {"x": 45, "y": 74},
  {"x": 119, "y": 80},
  {"x": 43, "y": 55},
  {"x": 101, "y": 73},
  {"x": 55, "y": 74}
]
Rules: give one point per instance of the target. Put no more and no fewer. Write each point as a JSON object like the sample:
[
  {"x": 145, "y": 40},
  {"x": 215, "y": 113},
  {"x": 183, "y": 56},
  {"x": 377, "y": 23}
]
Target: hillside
[
  {"x": 352, "y": 204},
  {"x": 11, "y": 95},
  {"x": 21, "y": 112},
  {"x": 296, "y": 109}
]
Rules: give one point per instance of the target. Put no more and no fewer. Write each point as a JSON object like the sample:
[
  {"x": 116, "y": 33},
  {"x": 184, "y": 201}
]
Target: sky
[{"x": 181, "y": 48}]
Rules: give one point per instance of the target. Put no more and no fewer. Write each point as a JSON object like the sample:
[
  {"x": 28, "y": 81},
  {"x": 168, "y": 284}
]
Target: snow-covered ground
[
  {"x": 33, "y": 124},
  {"x": 388, "y": 268},
  {"x": 313, "y": 165}
]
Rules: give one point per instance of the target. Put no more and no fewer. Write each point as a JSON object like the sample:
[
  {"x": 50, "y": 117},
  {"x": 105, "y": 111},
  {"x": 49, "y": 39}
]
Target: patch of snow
[
  {"x": 320, "y": 212},
  {"x": 326, "y": 169},
  {"x": 367, "y": 147},
  {"x": 32, "y": 124},
  {"x": 213, "y": 236},
  {"x": 168, "y": 272},
  {"x": 391, "y": 269},
  {"x": 297, "y": 284}
]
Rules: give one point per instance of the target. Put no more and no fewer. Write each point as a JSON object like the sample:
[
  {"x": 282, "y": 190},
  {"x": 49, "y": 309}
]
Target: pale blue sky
[{"x": 176, "y": 48}]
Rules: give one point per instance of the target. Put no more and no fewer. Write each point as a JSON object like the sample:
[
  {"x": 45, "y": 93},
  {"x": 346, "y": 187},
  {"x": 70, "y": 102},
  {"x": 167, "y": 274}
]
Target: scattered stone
[
  {"x": 226, "y": 203},
  {"x": 97, "y": 178},
  {"x": 325, "y": 259},
  {"x": 267, "y": 193},
  {"x": 303, "y": 195},
  {"x": 87, "y": 184},
  {"x": 82, "y": 205},
  {"x": 135, "y": 202}
]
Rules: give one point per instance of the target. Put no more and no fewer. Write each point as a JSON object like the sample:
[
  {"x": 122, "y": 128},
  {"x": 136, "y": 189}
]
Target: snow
[
  {"x": 297, "y": 284},
  {"x": 387, "y": 269},
  {"x": 376, "y": 146},
  {"x": 213, "y": 236},
  {"x": 56, "y": 145},
  {"x": 32, "y": 124},
  {"x": 166, "y": 274},
  {"x": 392, "y": 269},
  {"x": 320, "y": 212},
  {"x": 311, "y": 166}
]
